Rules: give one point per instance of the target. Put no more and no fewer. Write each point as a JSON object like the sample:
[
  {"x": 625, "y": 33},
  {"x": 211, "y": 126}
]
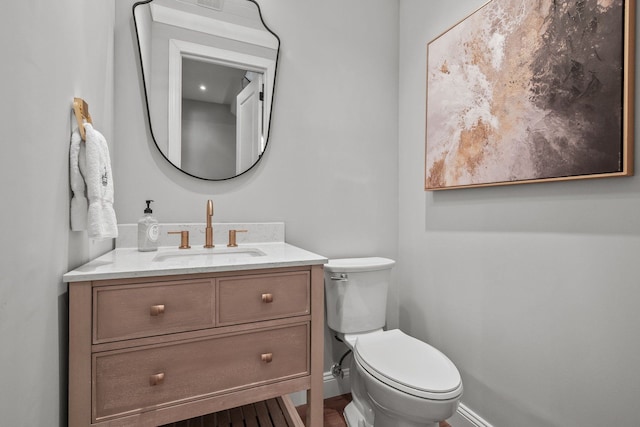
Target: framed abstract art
[{"x": 528, "y": 91}]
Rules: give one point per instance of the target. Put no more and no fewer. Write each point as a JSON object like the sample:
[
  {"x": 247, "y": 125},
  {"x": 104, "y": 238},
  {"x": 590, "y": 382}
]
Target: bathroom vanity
[{"x": 160, "y": 337}]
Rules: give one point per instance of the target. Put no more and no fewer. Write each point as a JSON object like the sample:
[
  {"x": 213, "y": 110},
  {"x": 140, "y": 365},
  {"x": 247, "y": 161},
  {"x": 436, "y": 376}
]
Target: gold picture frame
[{"x": 524, "y": 92}]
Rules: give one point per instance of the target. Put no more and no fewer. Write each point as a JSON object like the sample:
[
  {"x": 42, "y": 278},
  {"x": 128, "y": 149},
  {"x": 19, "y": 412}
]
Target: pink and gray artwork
[{"x": 526, "y": 90}]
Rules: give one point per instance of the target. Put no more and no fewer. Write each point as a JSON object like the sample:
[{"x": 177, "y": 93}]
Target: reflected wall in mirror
[{"x": 208, "y": 68}]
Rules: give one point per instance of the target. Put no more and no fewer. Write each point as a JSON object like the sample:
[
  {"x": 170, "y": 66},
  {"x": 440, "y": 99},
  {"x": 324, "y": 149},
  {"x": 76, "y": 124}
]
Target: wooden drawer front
[
  {"x": 133, "y": 311},
  {"x": 245, "y": 299},
  {"x": 132, "y": 381}
]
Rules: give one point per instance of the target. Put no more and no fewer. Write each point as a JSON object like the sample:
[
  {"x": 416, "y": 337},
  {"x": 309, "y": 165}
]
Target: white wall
[
  {"x": 532, "y": 290},
  {"x": 330, "y": 170},
  {"x": 51, "y": 52}
]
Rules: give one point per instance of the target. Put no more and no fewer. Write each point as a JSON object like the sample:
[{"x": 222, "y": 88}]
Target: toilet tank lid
[{"x": 346, "y": 265}]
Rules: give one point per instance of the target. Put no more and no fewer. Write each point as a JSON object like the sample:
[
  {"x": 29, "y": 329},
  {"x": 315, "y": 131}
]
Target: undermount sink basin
[{"x": 203, "y": 254}]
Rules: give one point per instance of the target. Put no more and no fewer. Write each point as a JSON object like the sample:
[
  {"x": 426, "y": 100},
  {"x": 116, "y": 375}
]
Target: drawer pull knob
[
  {"x": 267, "y": 357},
  {"x": 157, "y": 310},
  {"x": 267, "y": 298},
  {"x": 156, "y": 379}
]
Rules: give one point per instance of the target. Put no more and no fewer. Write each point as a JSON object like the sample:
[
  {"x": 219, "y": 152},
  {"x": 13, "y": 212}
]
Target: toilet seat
[{"x": 408, "y": 365}]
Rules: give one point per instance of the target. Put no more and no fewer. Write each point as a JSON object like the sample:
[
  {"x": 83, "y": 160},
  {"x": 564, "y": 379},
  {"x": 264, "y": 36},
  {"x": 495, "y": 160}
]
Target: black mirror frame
[{"x": 146, "y": 96}]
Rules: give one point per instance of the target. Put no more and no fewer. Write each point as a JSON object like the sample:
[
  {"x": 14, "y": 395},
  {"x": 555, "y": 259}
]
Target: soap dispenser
[{"x": 148, "y": 231}]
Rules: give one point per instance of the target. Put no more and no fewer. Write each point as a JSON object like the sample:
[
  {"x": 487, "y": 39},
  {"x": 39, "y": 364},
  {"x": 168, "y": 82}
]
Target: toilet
[{"x": 396, "y": 380}]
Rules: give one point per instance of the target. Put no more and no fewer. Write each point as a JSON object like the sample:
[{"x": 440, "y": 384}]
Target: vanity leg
[
  {"x": 315, "y": 398},
  {"x": 80, "y": 354}
]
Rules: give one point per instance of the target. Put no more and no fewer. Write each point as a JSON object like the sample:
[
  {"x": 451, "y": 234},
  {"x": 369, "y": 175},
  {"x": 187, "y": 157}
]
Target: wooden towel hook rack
[{"x": 81, "y": 111}]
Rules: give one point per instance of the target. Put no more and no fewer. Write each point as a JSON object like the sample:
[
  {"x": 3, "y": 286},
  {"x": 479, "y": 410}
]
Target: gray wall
[
  {"x": 532, "y": 290},
  {"x": 208, "y": 139},
  {"x": 330, "y": 170},
  {"x": 51, "y": 52}
]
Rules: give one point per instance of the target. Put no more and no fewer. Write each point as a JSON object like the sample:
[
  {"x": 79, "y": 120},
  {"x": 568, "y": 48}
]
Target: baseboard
[
  {"x": 464, "y": 416},
  {"x": 332, "y": 386}
]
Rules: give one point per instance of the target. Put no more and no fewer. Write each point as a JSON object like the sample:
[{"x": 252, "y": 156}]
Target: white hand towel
[
  {"x": 77, "y": 167},
  {"x": 101, "y": 219}
]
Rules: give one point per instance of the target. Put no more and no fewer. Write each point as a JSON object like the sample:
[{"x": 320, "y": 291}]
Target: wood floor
[{"x": 333, "y": 408}]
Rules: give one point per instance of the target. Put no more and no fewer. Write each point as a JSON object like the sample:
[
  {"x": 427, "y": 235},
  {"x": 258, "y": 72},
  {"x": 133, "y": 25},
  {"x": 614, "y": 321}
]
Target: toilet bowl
[
  {"x": 396, "y": 380},
  {"x": 409, "y": 382}
]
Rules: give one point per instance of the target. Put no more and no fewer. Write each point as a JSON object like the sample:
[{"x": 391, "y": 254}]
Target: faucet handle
[
  {"x": 184, "y": 238},
  {"x": 232, "y": 237}
]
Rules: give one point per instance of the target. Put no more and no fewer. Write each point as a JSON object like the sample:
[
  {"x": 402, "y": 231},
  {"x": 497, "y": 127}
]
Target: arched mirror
[{"x": 208, "y": 69}]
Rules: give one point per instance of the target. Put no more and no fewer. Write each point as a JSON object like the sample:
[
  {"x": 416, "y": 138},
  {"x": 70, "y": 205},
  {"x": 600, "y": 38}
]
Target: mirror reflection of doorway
[
  {"x": 213, "y": 78},
  {"x": 221, "y": 118}
]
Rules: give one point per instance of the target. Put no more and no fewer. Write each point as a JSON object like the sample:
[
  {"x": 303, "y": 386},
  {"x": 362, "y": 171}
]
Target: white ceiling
[{"x": 222, "y": 83}]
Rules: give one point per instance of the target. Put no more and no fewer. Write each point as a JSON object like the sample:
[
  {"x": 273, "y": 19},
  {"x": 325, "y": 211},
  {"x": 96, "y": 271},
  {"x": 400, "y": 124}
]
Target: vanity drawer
[
  {"x": 133, "y": 311},
  {"x": 244, "y": 299},
  {"x": 132, "y": 381}
]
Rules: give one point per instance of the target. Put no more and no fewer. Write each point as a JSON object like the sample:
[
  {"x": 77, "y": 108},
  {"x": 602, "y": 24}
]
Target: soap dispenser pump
[{"x": 148, "y": 231}]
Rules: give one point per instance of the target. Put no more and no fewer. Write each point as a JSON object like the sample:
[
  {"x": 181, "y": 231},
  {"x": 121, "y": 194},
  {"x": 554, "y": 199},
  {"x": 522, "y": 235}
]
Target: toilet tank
[{"x": 356, "y": 293}]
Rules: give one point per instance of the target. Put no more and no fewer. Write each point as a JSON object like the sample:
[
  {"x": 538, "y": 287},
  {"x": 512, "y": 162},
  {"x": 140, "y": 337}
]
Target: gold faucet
[{"x": 208, "y": 231}]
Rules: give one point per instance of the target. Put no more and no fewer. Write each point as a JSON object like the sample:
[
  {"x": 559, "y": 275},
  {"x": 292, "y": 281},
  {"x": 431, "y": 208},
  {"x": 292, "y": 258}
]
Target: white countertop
[{"x": 129, "y": 262}]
